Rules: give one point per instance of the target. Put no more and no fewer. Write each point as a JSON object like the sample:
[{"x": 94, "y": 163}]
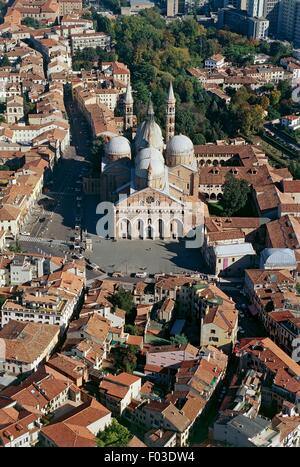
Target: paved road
[
  {"x": 281, "y": 137},
  {"x": 58, "y": 211},
  {"x": 249, "y": 326}
]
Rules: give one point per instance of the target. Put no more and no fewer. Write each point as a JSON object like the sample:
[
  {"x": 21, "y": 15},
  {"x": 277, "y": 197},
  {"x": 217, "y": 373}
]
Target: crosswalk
[{"x": 27, "y": 238}]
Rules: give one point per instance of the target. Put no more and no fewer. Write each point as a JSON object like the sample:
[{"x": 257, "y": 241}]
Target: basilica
[{"x": 152, "y": 183}]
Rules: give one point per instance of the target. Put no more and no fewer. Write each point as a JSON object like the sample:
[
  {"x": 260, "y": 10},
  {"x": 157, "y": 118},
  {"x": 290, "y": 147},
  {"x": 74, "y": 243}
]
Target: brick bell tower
[
  {"x": 128, "y": 104},
  {"x": 170, "y": 114}
]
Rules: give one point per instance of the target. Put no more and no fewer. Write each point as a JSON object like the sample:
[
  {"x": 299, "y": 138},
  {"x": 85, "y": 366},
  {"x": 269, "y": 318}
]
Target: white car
[
  {"x": 26, "y": 234},
  {"x": 142, "y": 275}
]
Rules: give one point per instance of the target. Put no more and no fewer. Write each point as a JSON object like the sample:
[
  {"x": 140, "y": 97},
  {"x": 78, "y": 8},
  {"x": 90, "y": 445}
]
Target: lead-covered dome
[
  {"x": 180, "y": 151},
  {"x": 149, "y": 159},
  {"x": 118, "y": 148},
  {"x": 150, "y": 169},
  {"x": 179, "y": 144},
  {"x": 149, "y": 133}
]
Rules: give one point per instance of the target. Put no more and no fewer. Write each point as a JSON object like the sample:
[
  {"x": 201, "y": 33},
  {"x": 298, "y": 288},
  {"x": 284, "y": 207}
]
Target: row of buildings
[
  {"x": 261, "y": 19},
  {"x": 193, "y": 375},
  {"x": 218, "y": 76}
]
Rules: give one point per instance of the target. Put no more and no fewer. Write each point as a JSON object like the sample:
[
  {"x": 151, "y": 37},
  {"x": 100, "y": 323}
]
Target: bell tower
[
  {"x": 170, "y": 114},
  {"x": 128, "y": 105}
]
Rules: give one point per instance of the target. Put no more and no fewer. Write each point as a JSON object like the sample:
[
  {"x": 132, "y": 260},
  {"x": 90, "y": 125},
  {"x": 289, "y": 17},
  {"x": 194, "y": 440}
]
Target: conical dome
[{"x": 149, "y": 133}]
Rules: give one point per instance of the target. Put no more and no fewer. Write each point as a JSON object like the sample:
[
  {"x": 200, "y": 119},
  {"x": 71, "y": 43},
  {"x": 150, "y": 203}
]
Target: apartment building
[
  {"x": 90, "y": 39},
  {"x": 26, "y": 345},
  {"x": 117, "y": 392}
]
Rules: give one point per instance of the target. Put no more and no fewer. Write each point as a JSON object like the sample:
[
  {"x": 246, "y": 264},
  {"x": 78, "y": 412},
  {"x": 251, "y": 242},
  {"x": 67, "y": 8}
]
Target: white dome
[
  {"x": 118, "y": 146},
  {"x": 149, "y": 159},
  {"x": 179, "y": 144},
  {"x": 149, "y": 134}
]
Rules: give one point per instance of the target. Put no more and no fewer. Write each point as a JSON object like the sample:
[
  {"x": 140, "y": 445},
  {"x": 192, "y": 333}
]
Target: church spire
[
  {"x": 128, "y": 104},
  {"x": 128, "y": 95},
  {"x": 170, "y": 114},
  {"x": 171, "y": 97},
  {"x": 150, "y": 111}
]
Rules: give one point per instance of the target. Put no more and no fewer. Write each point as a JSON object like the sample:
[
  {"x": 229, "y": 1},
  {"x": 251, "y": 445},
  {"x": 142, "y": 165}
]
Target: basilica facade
[{"x": 151, "y": 183}]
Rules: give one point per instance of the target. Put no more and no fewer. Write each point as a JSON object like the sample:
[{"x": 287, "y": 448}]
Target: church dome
[
  {"x": 118, "y": 147},
  {"x": 180, "y": 151},
  {"x": 149, "y": 162},
  {"x": 179, "y": 145},
  {"x": 149, "y": 134}
]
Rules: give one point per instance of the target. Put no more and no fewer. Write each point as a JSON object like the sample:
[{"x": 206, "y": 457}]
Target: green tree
[
  {"x": 2, "y": 300},
  {"x": 5, "y": 61},
  {"x": 235, "y": 194},
  {"x": 125, "y": 358},
  {"x": 179, "y": 339},
  {"x": 31, "y": 23},
  {"x": 123, "y": 299},
  {"x": 16, "y": 247},
  {"x": 294, "y": 168},
  {"x": 97, "y": 153},
  {"x": 131, "y": 329},
  {"x": 115, "y": 435}
]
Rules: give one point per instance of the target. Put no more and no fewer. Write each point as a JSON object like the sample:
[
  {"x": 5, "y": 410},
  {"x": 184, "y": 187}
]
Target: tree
[
  {"x": 31, "y": 23},
  {"x": 179, "y": 339},
  {"x": 5, "y": 61},
  {"x": 235, "y": 194},
  {"x": 131, "y": 329},
  {"x": 115, "y": 435},
  {"x": 16, "y": 248},
  {"x": 294, "y": 168},
  {"x": 124, "y": 300},
  {"x": 125, "y": 358}
]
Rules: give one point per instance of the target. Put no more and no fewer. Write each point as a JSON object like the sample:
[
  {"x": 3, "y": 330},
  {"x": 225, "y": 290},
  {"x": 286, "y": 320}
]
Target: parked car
[
  {"x": 117, "y": 274},
  {"x": 142, "y": 275}
]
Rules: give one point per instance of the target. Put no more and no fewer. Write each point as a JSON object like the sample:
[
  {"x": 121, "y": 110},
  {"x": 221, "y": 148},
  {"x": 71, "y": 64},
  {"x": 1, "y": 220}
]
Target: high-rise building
[
  {"x": 238, "y": 21},
  {"x": 176, "y": 7},
  {"x": 172, "y": 8},
  {"x": 258, "y": 28},
  {"x": 289, "y": 21},
  {"x": 271, "y": 12},
  {"x": 255, "y": 8}
]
